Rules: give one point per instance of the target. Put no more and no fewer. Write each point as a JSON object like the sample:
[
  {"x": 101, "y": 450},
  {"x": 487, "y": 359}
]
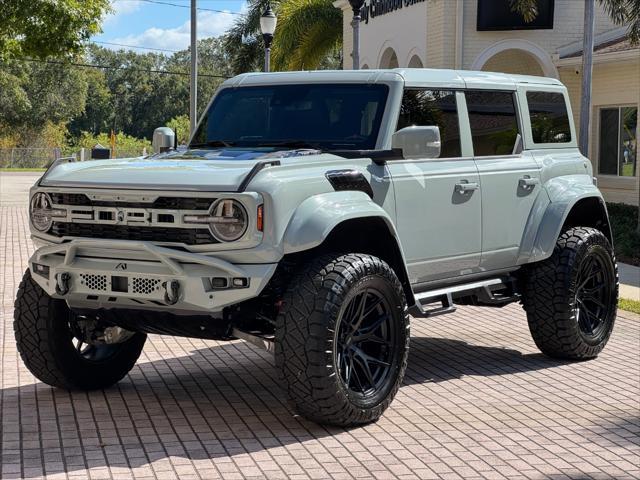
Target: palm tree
[
  {"x": 309, "y": 36},
  {"x": 308, "y": 31}
]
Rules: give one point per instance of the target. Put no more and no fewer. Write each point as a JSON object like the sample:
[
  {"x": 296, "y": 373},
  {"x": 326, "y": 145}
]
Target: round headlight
[
  {"x": 228, "y": 220},
  {"x": 40, "y": 210}
]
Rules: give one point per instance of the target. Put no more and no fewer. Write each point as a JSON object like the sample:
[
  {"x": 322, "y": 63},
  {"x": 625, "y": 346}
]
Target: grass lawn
[
  {"x": 22, "y": 169},
  {"x": 626, "y": 239},
  {"x": 629, "y": 305},
  {"x": 627, "y": 169}
]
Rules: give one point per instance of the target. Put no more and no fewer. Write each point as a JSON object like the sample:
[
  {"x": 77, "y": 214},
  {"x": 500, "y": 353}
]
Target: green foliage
[
  {"x": 629, "y": 305},
  {"x": 308, "y": 36},
  {"x": 182, "y": 126},
  {"x": 626, "y": 237},
  {"x": 44, "y": 28},
  {"x": 308, "y": 31},
  {"x": 125, "y": 144},
  {"x": 243, "y": 42}
]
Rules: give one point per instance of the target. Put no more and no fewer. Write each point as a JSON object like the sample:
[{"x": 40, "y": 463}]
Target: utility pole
[
  {"x": 587, "y": 71},
  {"x": 193, "y": 92}
]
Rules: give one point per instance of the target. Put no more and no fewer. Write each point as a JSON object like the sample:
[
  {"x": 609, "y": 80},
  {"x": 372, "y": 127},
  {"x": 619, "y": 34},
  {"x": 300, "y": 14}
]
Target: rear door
[
  {"x": 439, "y": 223},
  {"x": 509, "y": 178}
]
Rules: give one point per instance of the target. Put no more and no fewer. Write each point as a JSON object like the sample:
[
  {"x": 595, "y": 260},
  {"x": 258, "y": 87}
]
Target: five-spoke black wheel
[
  {"x": 571, "y": 298},
  {"x": 342, "y": 339}
]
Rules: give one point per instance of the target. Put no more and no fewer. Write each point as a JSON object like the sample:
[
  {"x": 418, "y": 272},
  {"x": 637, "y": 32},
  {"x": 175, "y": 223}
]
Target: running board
[
  {"x": 264, "y": 342},
  {"x": 488, "y": 292}
]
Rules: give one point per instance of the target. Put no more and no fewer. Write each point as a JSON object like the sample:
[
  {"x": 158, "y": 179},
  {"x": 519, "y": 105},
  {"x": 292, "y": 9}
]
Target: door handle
[
  {"x": 528, "y": 182},
  {"x": 465, "y": 187}
]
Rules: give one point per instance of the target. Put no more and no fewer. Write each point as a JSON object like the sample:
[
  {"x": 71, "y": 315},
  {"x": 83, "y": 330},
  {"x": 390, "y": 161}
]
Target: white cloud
[
  {"x": 210, "y": 24},
  {"x": 120, "y": 8}
]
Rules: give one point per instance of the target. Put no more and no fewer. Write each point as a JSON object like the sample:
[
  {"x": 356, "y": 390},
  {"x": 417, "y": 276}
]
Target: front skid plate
[{"x": 111, "y": 283}]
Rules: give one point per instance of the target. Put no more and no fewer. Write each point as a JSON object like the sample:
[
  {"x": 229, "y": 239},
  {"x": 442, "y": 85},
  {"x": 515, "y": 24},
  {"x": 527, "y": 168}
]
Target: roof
[
  {"x": 411, "y": 76},
  {"x": 621, "y": 44}
]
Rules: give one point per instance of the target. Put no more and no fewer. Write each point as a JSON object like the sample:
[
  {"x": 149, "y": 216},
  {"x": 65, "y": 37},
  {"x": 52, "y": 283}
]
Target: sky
[{"x": 145, "y": 23}]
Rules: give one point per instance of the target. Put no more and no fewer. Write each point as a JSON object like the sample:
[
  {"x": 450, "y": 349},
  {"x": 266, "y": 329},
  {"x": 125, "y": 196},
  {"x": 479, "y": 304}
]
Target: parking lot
[{"x": 478, "y": 401}]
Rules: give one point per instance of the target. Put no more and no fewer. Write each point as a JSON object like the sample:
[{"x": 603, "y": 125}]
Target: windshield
[{"x": 322, "y": 116}]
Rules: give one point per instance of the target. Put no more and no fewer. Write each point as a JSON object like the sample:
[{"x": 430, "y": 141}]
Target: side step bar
[
  {"x": 489, "y": 292},
  {"x": 264, "y": 342}
]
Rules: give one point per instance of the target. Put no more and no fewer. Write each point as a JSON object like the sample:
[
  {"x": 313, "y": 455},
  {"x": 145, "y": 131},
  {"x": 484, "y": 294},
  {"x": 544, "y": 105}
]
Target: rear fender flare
[{"x": 550, "y": 213}]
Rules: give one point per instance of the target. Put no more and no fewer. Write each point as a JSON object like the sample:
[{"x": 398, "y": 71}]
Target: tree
[
  {"x": 44, "y": 28},
  {"x": 308, "y": 31},
  {"x": 243, "y": 42},
  {"x": 308, "y": 36},
  {"x": 182, "y": 126},
  {"x": 38, "y": 99}
]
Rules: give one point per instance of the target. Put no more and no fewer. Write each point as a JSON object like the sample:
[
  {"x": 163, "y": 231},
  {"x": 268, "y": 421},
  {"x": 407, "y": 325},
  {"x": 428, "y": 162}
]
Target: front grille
[
  {"x": 188, "y": 236},
  {"x": 145, "y": 286},
  {"x": 97, "y": 223},
  {"x": 169, "y": 203},
  {"x": 94, "y": 282}
]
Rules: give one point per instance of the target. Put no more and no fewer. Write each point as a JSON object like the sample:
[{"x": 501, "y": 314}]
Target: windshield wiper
[
  {"x": 291, "y": 144},
  {"x": 213, "y": 143}
]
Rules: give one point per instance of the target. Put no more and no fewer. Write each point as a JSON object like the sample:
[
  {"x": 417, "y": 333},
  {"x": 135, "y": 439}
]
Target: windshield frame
[{"x": 393, "y": 81}]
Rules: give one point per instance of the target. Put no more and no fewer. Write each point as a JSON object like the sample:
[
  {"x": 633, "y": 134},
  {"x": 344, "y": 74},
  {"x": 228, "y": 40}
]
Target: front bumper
[{"x": 102, "y": 274}]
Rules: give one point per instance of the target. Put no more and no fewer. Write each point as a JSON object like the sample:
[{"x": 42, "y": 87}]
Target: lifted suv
[{"x": 309, "y": 215}]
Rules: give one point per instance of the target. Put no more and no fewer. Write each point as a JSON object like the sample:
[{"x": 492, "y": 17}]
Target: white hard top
[{"x": 411, "y": 76}]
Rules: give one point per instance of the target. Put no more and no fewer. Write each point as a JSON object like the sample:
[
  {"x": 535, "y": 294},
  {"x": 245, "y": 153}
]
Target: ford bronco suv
[{"x": 310, "y": 214}]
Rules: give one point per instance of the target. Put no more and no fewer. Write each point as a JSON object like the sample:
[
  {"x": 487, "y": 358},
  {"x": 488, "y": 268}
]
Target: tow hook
[
  {"x": 171, "y": 291},
  {"x": 62, "y": 283}
]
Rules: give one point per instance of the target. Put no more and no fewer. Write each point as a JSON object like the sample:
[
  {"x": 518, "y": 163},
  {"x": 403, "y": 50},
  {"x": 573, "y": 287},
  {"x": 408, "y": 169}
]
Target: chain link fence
[{"x": 43, "y": 157}]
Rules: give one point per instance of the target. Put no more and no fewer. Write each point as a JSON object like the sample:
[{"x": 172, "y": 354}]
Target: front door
[
  {"x": 438, "y": 202},
  {"x": 509, "y": 178}
]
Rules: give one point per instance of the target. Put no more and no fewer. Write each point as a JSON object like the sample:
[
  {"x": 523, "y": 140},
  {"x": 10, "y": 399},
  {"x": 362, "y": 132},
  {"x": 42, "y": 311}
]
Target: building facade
[{"x": 486, "y": 35}]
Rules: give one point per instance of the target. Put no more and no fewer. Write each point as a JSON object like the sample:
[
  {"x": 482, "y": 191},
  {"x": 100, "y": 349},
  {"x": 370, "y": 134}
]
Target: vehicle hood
[{"x": 209, "y": 170}]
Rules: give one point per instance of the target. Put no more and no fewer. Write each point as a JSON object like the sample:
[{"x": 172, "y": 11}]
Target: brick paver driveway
[{"x": 479, "y": 401}]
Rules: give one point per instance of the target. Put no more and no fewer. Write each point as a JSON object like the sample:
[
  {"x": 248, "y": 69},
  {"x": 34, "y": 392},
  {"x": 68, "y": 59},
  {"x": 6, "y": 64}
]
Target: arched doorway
[
  {"x": 364, "y": 67},
  {"x": 389, "y": 59},
  {"x": 415, "y": 62},
  {"x": 516, "y": 56}
]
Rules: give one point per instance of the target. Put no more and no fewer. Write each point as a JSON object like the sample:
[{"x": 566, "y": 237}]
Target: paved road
[
  {"x": 478, "y": 401},
  {"x": 14, "y": 187}
]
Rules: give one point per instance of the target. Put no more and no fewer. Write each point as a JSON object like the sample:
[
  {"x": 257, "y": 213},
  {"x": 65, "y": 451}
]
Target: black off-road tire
[
  {"x": 45, "y": 342},
  {"x": 307, "y": 336},
  {"x": 552, "y": 295}
]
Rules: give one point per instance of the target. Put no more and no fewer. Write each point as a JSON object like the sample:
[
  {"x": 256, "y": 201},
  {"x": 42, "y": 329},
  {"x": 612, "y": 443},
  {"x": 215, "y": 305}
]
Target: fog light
[
  {"x": 241, "y": 282},
  {"x": 42, "y": 270}
]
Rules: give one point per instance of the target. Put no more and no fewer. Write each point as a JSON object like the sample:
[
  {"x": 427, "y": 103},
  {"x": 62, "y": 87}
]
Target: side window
[
  {"x": 492, "y": 117},
  {"x": 433, "y": 108},
  {"x": 549, "y": 117}
]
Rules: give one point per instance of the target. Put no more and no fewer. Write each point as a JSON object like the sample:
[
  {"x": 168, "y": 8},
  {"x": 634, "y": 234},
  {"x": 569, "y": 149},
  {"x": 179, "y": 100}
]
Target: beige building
[{"x": 486, "y": 35}]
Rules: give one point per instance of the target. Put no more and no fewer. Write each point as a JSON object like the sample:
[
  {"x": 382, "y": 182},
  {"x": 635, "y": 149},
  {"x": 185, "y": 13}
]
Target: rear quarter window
[{"x": 549, "y": 117}]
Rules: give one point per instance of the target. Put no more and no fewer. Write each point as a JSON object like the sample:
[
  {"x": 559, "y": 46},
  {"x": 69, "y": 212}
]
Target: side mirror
[
  {"x": 164, "y": 139},
  {"x": 418, "y": 141}
]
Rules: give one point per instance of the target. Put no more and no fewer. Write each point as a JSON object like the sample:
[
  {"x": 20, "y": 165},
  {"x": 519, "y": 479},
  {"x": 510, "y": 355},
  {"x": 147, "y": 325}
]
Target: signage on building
[{"x": 376, "y": 8}]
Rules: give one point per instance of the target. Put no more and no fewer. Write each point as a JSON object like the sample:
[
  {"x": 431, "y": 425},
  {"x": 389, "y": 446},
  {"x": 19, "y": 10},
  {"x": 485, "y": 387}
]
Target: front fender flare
[{"x": 315, "y": 218}]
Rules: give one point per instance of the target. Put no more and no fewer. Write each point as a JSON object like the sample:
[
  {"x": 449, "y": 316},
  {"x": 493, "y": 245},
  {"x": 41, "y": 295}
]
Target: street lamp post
[
  {"x": 356, "y": 6},
  {"x": 268, "y": 22},
  {"x": 193, "y": 87}
]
